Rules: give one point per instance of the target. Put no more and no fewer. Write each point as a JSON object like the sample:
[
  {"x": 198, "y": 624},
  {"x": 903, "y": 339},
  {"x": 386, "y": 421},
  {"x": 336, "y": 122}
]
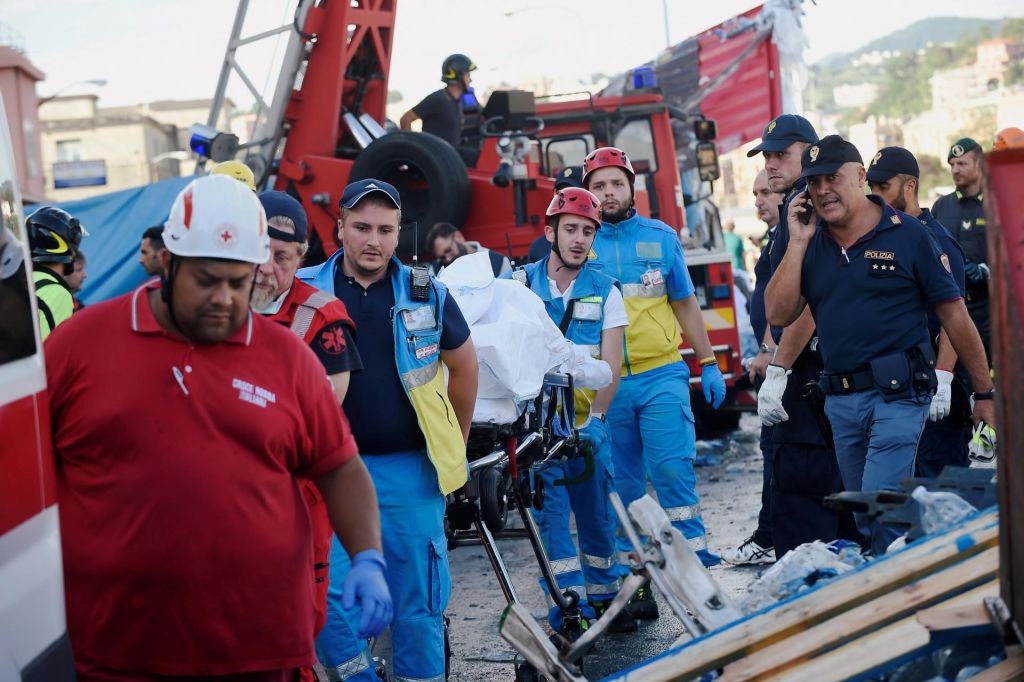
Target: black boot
[
  {"x": 643, "y": 606},
  {"x": 623, "y": 622}
]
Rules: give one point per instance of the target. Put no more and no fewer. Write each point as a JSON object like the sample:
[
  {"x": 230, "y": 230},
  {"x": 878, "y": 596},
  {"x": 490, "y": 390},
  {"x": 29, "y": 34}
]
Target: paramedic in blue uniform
[
  {"x": 895, "y": 175},
  {"x": 869, "y": 274},
  {"x": 804, "y": 468},
  {"x": 963, "y": 213},
  {"x": 411, "y": 430},
  {"x": 587, "y": 306},
  {"x": 651, "y": 419}
]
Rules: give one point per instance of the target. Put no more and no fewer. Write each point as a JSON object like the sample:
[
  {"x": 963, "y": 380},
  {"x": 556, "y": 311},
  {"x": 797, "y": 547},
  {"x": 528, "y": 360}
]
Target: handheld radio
[
  {"x": 419, "y": 285},
  {"x": 518, "y": 273}
]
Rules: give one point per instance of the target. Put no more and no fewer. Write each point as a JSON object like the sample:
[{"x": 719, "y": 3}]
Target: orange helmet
[
  {"x": 576, "y": 201},
  {"x": 1009, "y": 138},
  {"x": 607, "y": 156}
]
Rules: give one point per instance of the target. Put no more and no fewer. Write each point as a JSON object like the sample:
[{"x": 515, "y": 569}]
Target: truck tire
[{"x": 430, "y": 177}]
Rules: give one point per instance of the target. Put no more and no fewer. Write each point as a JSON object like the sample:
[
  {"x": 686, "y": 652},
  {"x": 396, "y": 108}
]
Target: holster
[{"x": 905, "y": 374}]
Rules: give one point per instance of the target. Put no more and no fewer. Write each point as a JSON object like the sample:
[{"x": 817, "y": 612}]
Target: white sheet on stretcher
[{"x": 516, "y": 342}]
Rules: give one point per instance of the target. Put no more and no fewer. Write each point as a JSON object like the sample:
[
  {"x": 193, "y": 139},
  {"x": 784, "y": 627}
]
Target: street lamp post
[{"x": 98, "y": 82}]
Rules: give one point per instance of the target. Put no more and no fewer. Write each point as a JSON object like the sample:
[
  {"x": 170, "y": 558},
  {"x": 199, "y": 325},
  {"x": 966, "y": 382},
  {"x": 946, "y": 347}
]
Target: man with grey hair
[{"x": 317, "y": 317}]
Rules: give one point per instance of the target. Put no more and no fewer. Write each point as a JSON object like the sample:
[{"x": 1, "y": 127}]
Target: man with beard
[
  {"x": 894, "y": 175},
  {"x": 411, "y": 428},
  {"x": 180, "y": 424},
  {"x": 759, "y": 548},
  {"x": 963, "y": 214},
  {"x": 447, "y": 243},
  {"x": 150, "y": 247},
  {"x": 869, "y": 274},
  {"x": 650, "y": 418},
  {"x": 315, "y": 316},
  {"x": 587, "y": 306}
]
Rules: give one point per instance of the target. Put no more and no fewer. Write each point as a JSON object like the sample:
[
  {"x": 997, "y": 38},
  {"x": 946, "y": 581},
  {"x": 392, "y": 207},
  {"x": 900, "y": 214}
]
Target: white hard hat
[{"x": 218, "y": 217}]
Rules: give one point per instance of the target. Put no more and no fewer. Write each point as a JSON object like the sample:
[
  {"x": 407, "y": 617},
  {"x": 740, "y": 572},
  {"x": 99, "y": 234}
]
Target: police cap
[
  {"x": 784, "y": 131},
  {"x": 827, "y": 156},
  {"x": 891, "y": 161},
  {"x": 572, "y": 176}
]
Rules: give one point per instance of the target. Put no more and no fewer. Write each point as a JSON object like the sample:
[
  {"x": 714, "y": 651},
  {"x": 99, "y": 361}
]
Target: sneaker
[
  {"x": 749, "y": 553},
  {"x": 642, "y": 606},
  {"x": 623, "y": 622}
]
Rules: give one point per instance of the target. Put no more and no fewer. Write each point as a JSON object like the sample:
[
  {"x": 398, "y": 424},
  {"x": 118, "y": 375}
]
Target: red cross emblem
[
  {"x": 332, "y": 340},
  {"x": 226, "y": 237}
]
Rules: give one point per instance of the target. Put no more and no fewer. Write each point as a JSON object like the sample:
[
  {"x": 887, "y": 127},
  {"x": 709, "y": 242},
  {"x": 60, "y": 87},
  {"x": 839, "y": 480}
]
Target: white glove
[
  {"x": 982, "y": 448},
  {"x": 939, "y": 409},
  {"x": 769, "y": 398}
]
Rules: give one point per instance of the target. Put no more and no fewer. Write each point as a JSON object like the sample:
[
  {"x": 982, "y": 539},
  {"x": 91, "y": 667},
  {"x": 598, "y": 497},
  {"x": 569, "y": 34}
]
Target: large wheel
[
  {"x": 429, "y": 175},
  {"x": 494, "y": 498}
]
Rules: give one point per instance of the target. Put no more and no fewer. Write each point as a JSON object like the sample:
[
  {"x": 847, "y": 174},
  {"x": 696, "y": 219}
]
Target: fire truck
[
  {"x": 323, "y": 128},
  {"x": 34, "y": 645}
]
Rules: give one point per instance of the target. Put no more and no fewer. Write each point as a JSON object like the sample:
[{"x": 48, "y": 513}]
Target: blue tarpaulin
[{"x": 115, "y": 223}]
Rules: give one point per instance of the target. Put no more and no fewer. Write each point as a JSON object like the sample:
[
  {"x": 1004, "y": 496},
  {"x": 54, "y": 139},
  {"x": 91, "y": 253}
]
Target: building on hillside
[
  {"x": 856, "y": 96},
  {"x": 986, "y": 74}
]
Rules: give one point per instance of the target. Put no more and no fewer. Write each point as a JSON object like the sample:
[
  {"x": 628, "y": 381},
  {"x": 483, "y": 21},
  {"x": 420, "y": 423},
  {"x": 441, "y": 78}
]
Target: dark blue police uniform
[
  {"x": 805, "y": 468},
  {"x": 870, "y": 302}
]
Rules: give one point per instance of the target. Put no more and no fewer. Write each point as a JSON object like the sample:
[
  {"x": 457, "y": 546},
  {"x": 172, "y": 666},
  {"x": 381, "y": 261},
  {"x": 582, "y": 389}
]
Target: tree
[{"x": 1013, "y": 29}]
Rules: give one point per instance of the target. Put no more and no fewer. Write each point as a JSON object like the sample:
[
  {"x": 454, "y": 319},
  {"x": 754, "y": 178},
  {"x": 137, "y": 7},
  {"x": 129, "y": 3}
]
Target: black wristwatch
[{"x": 990, "y": 394}]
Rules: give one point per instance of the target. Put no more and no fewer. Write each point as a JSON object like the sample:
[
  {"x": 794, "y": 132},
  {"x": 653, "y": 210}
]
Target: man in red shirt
[{"x": 179, "y": 435}]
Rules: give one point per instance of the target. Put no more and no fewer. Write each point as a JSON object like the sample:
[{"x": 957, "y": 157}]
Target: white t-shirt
[{"x": 614, "y": 307}]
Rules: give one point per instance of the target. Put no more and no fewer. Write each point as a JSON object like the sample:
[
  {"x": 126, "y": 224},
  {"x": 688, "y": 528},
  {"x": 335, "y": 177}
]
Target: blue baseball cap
[
  {"x": 282, "y": 204},
  {"x": 890, "y": 161},
  {"x": 784, "y": 131},
  {"x": 571, "y": 176},
  {"x": 355, "y": 192},
  {"x": 827, "y": 156}
]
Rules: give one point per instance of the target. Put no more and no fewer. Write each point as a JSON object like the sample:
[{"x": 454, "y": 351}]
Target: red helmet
[
  {"x": 607, "y": 156},
  {"x": 576, "y": 201}
]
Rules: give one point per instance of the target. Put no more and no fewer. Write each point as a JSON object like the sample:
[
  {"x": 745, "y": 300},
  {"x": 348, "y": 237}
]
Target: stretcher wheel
[
  {"x": 494, "y": 499},
  {"x": 527, "y": 673}
]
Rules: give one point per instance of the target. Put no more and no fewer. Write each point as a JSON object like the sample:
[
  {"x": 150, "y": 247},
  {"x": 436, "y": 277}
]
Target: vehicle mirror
[{"x": 707, "y": 161}]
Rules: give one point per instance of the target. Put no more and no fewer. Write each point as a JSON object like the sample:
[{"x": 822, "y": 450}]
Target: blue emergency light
[
  {"x": 643, "y": 77},
  {"x": 212, "y": 144}
]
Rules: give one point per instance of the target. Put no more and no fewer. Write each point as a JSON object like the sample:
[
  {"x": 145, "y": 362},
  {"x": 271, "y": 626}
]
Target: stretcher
[{"x": 505, "y": 461}]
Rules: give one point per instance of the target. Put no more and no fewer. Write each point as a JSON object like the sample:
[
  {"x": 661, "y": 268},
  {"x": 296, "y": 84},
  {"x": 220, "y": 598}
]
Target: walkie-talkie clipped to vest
[{"x": 419, "y": 286}]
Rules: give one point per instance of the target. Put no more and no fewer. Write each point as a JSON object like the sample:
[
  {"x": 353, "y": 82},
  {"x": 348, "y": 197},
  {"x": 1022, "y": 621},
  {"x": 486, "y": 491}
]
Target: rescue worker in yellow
[
  {"x": 410, "y": 428},
  {"x": 650, "y": 419},
  {"x": 237, "y": 170},
  {"x": 54, "y": 235}
]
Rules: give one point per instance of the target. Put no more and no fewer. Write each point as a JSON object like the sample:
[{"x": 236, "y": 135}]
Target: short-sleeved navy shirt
[
  {"x": 872, "y": 299},
  {"x": 762, "y": 275},
  {"x": 441, "y": 115},
  {"x": 955, "y": 256},
  {"x": 381, "y": 416}
]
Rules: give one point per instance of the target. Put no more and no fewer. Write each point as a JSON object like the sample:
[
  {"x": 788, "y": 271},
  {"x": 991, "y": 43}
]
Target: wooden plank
[
  {"x": 1004, "y": 671},
  {"x": 866, "y": 618},
  {"x": 874, "y": 650},
  {"x": 945, "y": 617},
  {"x": 819, "y": 604}
]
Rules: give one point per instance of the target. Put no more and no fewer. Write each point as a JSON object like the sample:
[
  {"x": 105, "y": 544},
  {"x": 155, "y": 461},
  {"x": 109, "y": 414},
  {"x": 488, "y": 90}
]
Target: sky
[{"x": 149, "y": 50}]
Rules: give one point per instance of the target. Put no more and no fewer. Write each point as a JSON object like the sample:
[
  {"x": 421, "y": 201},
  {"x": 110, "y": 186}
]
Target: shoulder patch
[
  {"x": 944, "y": 259},
  {"x": 895, "y": 219},
  {"x": 331, "y": 339}
]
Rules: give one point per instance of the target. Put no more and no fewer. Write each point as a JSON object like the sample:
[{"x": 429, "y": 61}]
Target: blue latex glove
[
  {"x": 597, "y": 432},
  {"x": 975, "y": 273},
  {"x": 365, "y": 584},
  {"x": 713, "y": 383}
]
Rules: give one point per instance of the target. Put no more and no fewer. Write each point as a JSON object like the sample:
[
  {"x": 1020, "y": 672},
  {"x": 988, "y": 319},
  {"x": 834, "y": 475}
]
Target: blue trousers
[
  {"x": 876, "y": 443},
  {"x": 591, "y": 571},
  {"x": 416, "y": 551},
  {"x": 653, "y": 435}
]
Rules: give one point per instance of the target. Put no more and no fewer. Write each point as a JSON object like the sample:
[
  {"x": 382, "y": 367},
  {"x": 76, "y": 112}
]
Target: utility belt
[{"x": 897, "y": 376}]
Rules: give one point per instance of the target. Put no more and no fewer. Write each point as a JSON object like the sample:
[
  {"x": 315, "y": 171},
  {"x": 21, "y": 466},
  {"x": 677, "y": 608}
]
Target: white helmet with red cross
[{"x": 218, "y": 217}]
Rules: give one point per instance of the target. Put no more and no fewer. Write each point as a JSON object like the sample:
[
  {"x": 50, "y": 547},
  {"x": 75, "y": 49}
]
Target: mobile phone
[
  {"x": 805, "y": 212},
  {"x": 420, "y": 285}
]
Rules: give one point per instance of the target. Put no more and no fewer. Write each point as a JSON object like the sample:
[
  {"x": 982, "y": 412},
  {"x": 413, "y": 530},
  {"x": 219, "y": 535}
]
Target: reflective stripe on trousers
[{"x": 350, "y": 668}]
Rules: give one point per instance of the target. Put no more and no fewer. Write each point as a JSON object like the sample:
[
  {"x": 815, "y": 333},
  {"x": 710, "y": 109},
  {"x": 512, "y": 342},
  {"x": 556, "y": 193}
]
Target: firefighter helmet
[
  {"x": 1009, "y": 138},
  {"x": 216, "y": 217},
  {"x": 237, "y": 170},
  {"x": 576, "y": 201},
  {"x": 54, "y": 235},
  {"x": 455, "y": 66},
  {"x": 605, "y": 157}
]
